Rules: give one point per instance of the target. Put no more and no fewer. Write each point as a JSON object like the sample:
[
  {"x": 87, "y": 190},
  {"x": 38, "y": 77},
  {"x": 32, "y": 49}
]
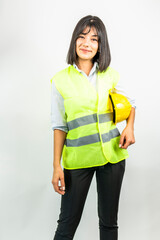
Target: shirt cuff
[{"x": 63, "y": 128}]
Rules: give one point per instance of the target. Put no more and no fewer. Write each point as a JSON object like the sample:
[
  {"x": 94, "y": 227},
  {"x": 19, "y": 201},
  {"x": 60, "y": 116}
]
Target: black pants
[{"x": 77, "y": 182}]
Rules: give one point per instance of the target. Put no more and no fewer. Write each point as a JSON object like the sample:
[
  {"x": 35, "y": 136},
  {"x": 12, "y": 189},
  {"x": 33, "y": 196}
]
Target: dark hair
[{"x": 102, "y": 56}]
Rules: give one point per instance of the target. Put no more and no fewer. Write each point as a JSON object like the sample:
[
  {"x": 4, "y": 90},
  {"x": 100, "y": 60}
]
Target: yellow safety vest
[{"x": 92, "y": 138}]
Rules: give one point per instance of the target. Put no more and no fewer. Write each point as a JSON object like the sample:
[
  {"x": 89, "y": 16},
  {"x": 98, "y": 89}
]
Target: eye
[
  {"x": 94, "y": 39},
  {"x": 80, "y": 37}
]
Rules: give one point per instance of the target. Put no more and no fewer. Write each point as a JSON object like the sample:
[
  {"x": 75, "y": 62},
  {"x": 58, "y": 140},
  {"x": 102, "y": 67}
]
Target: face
[{"x": 87, "y": 45}]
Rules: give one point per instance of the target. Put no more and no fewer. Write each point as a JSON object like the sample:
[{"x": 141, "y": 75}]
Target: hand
[
  {"x": 127, "y": 138},
  {"x": 58, "y": 174}
]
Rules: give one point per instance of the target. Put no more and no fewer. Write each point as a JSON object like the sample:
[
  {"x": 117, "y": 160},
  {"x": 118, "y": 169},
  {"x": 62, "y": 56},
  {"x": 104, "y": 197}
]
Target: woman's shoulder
[
  {"x": 59, "y": 74},
  {"x": 114, "y": 74},
  {"x": 111, "y": 71}
]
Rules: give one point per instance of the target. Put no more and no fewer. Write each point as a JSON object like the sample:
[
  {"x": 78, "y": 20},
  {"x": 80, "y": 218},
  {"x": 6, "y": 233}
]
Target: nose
[{"x": 86, "y": 42}]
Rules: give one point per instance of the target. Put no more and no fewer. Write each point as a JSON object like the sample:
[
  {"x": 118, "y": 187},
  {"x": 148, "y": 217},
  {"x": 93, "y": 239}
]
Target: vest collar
[{"x": 93, "y": 70}]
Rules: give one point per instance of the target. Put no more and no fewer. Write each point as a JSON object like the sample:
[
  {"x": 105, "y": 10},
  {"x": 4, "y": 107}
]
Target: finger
[
  {"x": 60, "y": 191},
  {"x": 62, "y": 183},
  {"x": 125, "y": 146},
  {"x": 61, "y": 186},
  {"x": 130, "y": 142},
  {"x": 133, "y": 141},
  {"x": 121, "y": 142},
  {"x": 56, "y": 187},
  {"x": 127, "y": 143}
]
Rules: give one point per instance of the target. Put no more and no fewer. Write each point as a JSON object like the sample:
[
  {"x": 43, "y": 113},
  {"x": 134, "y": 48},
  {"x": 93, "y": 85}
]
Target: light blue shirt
[{"x": 58, "y": 116}]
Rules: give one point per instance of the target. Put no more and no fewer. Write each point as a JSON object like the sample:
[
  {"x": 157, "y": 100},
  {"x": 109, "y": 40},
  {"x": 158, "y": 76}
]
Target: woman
[{"x": 84, "y": 132}]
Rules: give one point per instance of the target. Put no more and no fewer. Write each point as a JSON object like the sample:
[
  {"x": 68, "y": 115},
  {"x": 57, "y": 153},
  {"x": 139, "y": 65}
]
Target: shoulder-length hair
[{"x": 102, "y": 56}]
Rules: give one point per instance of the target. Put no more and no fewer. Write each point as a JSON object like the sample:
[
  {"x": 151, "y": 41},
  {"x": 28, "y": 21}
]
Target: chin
[{"x": 85, "y": 57}]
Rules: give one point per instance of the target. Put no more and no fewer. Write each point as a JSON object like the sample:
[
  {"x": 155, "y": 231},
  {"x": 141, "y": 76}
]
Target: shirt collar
[{"x": 95, "y": 66}]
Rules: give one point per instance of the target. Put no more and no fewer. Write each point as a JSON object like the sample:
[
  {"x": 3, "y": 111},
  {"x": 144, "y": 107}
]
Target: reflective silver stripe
[
  {"x": 82, "y": 140},
  {"x": 106, "y": 137},
  {"x": 105, "y": 117},
  {"x": 78, "y": 122}
]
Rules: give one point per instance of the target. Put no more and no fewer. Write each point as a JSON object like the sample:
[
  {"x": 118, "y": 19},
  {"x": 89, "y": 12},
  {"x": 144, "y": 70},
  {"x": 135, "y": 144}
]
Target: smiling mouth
[{"x": 84, "y": 50}]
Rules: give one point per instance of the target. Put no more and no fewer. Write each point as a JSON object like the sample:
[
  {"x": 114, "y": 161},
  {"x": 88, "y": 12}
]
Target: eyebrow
[{"x": 94, "y": 35}]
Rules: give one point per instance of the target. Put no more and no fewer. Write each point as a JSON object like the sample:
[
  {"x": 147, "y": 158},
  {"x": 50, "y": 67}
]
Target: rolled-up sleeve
[
  {"x": 121, "y": 90},
  {"x": 58, "y": 116}
]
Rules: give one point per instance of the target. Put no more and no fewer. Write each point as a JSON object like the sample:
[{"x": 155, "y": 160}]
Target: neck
[{"x": 85, "y": 66}]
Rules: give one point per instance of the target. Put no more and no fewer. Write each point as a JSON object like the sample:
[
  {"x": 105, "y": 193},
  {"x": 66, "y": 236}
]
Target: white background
[{"x": 35, "y": 37}]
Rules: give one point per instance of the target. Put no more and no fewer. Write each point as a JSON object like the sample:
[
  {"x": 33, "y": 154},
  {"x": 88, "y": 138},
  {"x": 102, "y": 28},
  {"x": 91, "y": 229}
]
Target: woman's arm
[
  {"x": 58, "y": 174},
  {"x": 60, "y": 129},
  {"x": 127, "y": 136},
  {"x": 58, "y": 116},
  {"x": 59, "y": 139}
]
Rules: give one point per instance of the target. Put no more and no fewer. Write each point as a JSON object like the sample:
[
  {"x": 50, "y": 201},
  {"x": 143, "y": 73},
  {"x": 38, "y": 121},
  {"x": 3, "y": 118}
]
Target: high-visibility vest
[{"x": 92, "y": 138}]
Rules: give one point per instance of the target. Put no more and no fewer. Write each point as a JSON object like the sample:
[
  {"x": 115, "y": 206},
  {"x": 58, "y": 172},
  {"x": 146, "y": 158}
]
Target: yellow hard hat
[{"x": 120, "y": 106}]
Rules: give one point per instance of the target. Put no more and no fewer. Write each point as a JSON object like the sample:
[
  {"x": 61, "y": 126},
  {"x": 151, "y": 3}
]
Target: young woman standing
[{"x": 84, "y": 133}]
